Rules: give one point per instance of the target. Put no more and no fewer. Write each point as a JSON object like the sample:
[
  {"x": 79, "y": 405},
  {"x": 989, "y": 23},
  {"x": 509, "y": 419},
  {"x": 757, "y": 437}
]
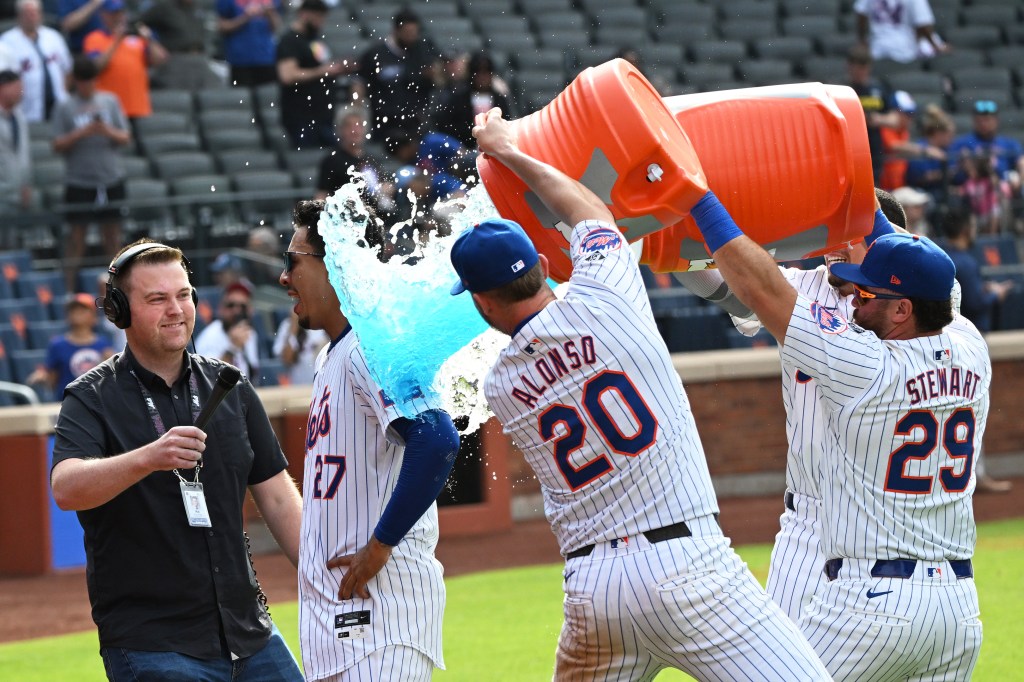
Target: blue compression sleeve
[
  {"x": 882, "y": 226},
  {"x": 431, "y": 444},
  {"x": 714, "y": 222}
]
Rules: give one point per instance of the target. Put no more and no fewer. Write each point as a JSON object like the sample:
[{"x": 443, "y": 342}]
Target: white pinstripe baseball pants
[{"x": 795, "y": 572}]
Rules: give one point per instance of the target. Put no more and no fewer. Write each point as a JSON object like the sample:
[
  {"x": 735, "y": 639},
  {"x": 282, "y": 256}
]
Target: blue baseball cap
[
  {"x": 491, "y": 254},
  {"x": 905, "y": 263},
  {"x": 113, "y": 6}
]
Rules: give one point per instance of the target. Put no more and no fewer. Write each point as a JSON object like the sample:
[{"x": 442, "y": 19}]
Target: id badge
[{"x": 195, "y": 504}]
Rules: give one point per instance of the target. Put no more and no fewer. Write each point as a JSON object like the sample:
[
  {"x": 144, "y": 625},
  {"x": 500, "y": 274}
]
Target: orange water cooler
[{"x": 790, "y": 162}]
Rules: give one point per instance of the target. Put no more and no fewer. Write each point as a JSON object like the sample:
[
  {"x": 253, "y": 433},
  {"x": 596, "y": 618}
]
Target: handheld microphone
[{"x": 226, "y": 380}]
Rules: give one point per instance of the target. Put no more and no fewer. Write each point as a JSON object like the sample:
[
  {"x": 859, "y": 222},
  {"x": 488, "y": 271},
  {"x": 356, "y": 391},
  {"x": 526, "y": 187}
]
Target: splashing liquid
[{"x": 408, "y": 323}]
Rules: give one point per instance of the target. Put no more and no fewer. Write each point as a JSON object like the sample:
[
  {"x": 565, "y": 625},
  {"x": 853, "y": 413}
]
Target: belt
[
  {"x": 676, "y": 530},
  {"x": 899, "y": 568},
  {"x": 790, "y": 501}
]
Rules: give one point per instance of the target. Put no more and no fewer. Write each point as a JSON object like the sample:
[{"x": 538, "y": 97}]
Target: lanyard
[{"x": 158, "y": 421}]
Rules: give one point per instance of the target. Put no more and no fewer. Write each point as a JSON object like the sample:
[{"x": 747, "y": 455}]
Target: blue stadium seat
[
  {"x": 41, "y": 333},
  {"x": 272, "y": 372},
  {"x": 24, "y": 362},
  {"x": 27, "y": 309},
  {"x": 46, "y": 287},
  {"x": 13, "y": 337}
]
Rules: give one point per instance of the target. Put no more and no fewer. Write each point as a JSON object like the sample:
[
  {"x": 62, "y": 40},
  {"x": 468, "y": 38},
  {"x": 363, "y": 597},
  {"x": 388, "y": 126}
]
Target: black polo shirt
[{"x": 156, "y": 583}]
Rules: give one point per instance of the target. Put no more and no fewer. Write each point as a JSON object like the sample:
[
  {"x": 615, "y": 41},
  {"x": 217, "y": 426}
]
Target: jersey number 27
[{"x": 575, "y": 427}]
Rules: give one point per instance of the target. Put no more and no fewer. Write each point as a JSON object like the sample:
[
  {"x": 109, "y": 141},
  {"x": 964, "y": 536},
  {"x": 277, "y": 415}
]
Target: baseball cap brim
[{"x": 458, "y": 288}]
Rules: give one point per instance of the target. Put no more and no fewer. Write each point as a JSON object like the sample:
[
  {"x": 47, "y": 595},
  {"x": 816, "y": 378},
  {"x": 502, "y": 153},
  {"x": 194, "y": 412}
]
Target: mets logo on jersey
[
  {"x": 601, "y": 239},
  {"x": 829, "y": 321}
]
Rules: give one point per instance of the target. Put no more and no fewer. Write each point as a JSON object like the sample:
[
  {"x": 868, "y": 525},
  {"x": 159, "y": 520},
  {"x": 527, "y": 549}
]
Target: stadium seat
[
  {"x": 160, "y": 122},
  {"x": 437, "y": 9},
  {"x": 513, "y": 43},
  {"x": 208, "y": 199},
  {"x": 594, "y": 55},
  {"x": 147, "y": 202},
  {"x": 963, "y": 99},
  {"x": 88, "y": 278},
  {"x": 480, "y": 9},
  {"x": 240, "y": 160},
  {"x": 795, "y": 8},
  {"x": 662, "y": 54},
  {"x": 809, "y": 26},
  {"x": 990, "y": 15},
  {"x": 270, "y": 194},
  {"x": 180, "y": 164},
  {"x": 620, "y": 36},
  {"x": 41, "y": 333},
  {"x": 825, "y": 69},
  {"x": 959, "y": 58},
  {"x": 747, "y": 10},
  {"x": 532, "y": 8},
  {"x": 304, "y": 164},
  {"x": 619, "y": 14},
  {"x": 136, "y": 167},
  {"x": 765, "y": 71},
  {"x": 718, "y": 51},
  {"x": 918, "y": 81},
  {"x": 172, "y": 101},
  {"x": 40, "y": 130},
  {"x": 41, "y": 149},
  {"x": 13, "y": 335},
  {"x": 218, "y": 99},
  {"x": 973, "y": 77},
  {"x": 704, "y": 76},
  {"x": 46, "y": 287},
  {"x": 164, "y": 143},
  {"x": 222, "y": 140},
  {"x": 546, "y": 59},
  {"x": 747, "y": 29},
  {"x": 553, "y": 22},
  {"x": 974, "y": 37},
  {"x": 675, "y": 13},
  {"x": 17, "y": 311},
  {"x": 685, "y": 34},
  {"x": 226, "y": 119},
  {"x": 24, "y": 362},
  {"x": 695, "y": 329},
  {"x": 48, "y": 172},
  {"x": 793, "y": 48}
]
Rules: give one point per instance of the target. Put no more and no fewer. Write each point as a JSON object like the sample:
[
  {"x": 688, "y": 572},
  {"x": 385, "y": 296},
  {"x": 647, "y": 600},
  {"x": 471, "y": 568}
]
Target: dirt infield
[{"x": 58, "y": 604}]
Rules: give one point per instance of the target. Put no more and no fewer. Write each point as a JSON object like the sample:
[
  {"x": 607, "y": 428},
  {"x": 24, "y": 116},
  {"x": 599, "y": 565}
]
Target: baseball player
[
  {"x": 371, "y": 592},
  {"x": 587, "y": 389},
  {"x": 794, "y": 572},
  {"x": 903, "y": 388}
]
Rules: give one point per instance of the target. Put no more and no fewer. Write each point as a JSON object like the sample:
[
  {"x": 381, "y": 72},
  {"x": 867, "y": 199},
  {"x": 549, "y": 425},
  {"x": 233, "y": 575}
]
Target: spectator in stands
[
  {"x": 123, "y": 51},
  {"x": 929, "y": 170},
  {"x": 89, "y": 131},
  {"x": 15, "y": 160},
  {"x": 297, "y": 349},
  {"x": 79, "y": 18},
  {"x": 248, "y": 28},
  {"x": 896, "y": 141},
  {"x": 478, "y": 94},
  {"x": 306, "y": 75},
  {"x": 43, "y": 59},
  {"x": 901, "y": 30},
  {"x": 228, "y": 269},
  {"x": 1006, "y": 153},
  {"x": 875, "y": 98},
  {"x": 396, "y": 76},
  {"x": 979, "y": 298},
  {"x": 352, "y": 125},
  {"x": 75, "y": 352},
  {"x": 231, "y": 337},
  {"x": 402, "y": 150},
  {"x": 182, "y": 31},
  {"x": 915, "y": 204},
  {"x": 263, "y": 265}
]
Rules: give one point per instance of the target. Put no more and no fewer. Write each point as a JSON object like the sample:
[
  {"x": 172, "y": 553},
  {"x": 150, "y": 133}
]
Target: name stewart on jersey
[
  {"x": 935, "y": 383},
  {"x": 551, "y": 366}
]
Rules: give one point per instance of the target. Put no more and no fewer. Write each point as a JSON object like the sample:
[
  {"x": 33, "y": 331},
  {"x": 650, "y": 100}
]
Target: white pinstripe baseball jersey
[
  {"x": 587, "y": 390},
  {"x": 905, "y": 419},
  {"x": 351, "y": 467}
]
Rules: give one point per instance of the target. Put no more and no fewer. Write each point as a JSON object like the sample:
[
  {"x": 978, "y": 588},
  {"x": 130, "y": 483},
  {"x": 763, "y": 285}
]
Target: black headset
[{"x": 115, "y": 304}]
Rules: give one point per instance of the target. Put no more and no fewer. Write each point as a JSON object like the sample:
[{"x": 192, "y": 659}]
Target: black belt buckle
[{"x": 790, "y": 501}]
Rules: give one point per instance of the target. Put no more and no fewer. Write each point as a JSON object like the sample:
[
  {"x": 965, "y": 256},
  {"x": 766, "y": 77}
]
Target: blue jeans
[{"x": 272, "y": 663}]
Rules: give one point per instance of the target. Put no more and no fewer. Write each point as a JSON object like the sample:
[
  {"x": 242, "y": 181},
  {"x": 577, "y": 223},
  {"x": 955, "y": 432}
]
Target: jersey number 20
[
  {"x": 576, "y": 427},
  {"x": 957, "y": 436}
]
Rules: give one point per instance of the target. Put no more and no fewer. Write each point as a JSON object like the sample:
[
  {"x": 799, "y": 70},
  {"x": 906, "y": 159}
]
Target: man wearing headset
[{"x": 173, "y": 591}]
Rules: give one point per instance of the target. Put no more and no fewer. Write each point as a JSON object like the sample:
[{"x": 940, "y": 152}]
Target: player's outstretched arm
[
  {"x": 749, "y": 271},
  {"x": 431, "y": 444},
  {"x": 569, "y": 200}
]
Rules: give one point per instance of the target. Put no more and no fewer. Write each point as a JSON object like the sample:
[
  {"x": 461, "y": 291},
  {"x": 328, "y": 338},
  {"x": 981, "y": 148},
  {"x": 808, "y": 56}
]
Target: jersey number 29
[
  {"x": 576, "y": 427},
  {"x": 957, "y": 434}
]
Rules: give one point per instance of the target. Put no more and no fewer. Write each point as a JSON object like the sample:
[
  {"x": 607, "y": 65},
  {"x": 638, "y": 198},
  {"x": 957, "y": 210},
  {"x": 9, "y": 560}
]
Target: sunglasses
[
  {"x": 868, "y": 295},
  {"x": 289, "y": 258},
  {"x": 985, "y": 106}
]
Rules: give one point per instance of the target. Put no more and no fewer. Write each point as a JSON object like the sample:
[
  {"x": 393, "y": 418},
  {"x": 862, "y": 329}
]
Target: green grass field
[{"x": 503, "y": 625}]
